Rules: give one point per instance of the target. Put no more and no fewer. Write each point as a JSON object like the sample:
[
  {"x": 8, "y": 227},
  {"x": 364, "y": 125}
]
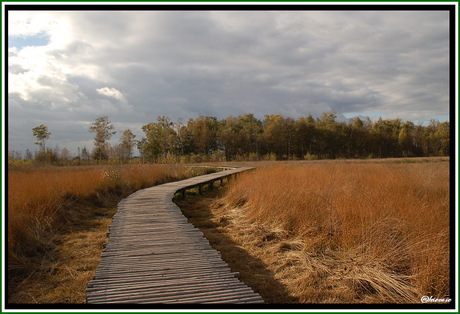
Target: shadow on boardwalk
[{"x": 253, "y": 272}]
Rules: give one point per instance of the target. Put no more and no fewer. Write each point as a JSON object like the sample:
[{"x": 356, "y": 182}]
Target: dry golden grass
[
  {"x": 57, "y": 222},
  {"x": 344, "y": 233}
]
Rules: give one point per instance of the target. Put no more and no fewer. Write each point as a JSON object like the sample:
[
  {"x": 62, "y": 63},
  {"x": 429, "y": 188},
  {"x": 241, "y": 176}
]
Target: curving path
[{"x": 155, "y": 256}]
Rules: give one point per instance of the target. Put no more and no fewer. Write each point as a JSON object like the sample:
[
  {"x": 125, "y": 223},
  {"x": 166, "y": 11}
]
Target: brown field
[
  {"x": 57, "y": 222},
  {"x": 298, "y": 232},
  {"x": 335, "y": 232}
]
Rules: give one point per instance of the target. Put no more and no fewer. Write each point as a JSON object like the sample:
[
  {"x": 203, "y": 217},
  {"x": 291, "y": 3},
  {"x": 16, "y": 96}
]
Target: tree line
[
  {"x": 276, "y": 137},
  {"x": 245, "y": 137}
]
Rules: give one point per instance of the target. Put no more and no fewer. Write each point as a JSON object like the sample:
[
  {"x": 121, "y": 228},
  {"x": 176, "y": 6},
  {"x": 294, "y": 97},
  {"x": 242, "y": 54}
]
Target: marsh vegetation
[
  {"x": 331, "y": 232},
  {"x": 58, "y": 218}
]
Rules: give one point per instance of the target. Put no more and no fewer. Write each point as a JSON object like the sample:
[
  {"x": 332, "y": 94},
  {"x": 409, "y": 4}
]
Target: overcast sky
[{"x": 65, "y": 69}]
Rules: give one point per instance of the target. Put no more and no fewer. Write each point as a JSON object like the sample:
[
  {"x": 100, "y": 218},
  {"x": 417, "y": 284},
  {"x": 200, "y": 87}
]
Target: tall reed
[{"x": 391, "y": 220}]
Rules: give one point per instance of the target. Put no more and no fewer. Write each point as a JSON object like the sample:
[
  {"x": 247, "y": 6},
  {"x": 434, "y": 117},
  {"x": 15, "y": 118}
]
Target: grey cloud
[{"x": 183, "y": 64}]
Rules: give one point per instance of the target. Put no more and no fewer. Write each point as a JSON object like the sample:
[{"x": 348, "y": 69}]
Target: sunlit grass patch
[{"x": 336, "y": 233}]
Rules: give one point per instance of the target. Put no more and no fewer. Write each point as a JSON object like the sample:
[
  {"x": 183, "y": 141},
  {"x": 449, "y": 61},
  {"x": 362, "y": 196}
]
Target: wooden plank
[
  {"x": 151, "y": 297},
  {"x": 151, "y": 251},
  {"x": 171, "y": 288},
  {"x": 184, "y": 295},
  {"x": 158, "y": 266},
  {"x": 186, "y": 278},
  {"x": 168, "y": 279},
  {"x": 117, "y": 272},
  {"x": 180, "y": 296},
  {"x": 142, "y": 275},
  {"x": 164, "y": 255}
]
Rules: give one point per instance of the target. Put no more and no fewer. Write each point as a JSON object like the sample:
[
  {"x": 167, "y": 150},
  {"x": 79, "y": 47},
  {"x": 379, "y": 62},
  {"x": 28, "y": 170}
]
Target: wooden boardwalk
[{"x": 155, "y": 256}]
